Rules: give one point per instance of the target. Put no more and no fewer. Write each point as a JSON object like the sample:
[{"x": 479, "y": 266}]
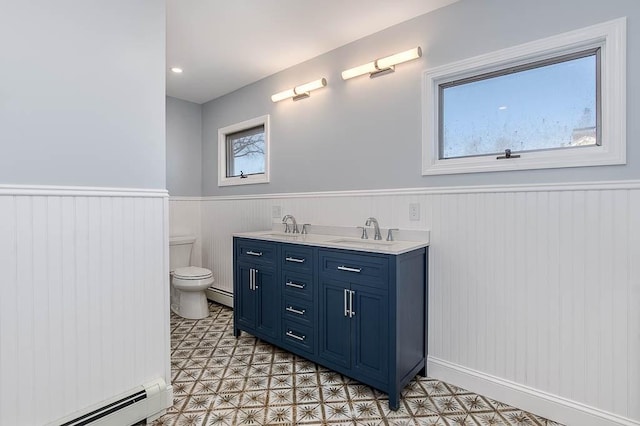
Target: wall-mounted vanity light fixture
[
  {"x": 382, "y": 66},
  {"x": 299, "y": 92}
]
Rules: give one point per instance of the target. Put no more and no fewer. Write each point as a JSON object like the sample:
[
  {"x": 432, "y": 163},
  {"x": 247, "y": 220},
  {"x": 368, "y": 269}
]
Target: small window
[
  {"x": 545, "y": 104},
  {"x": 243, "y": 152}
]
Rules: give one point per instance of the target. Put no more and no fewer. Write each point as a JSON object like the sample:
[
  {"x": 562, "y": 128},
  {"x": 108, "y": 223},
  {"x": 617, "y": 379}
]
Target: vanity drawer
[
  {"x": 297, "y": 258},
  {"x": 256, "y": 251},
  {"x": 366, "y": 269},
  {"x": 298, "y": 336},
  {"x": 298, "y": 310},
  {"x": 297, "y": 285}
]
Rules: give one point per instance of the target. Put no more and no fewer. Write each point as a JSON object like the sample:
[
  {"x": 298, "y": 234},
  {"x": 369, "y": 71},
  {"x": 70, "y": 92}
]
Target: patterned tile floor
[{"x": 220, "y": 380}]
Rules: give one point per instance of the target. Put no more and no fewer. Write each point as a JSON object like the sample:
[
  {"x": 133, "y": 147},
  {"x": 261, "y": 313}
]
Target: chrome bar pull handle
[
  {"x": 293, "y": 259},
  {"x": 351, "y": 313},
  {"x": 295, "y": 311},
  {"x": 250, "y": 278},
  {"x": 295, "y": 336},
  {"x": 348, "y": 269},
  {"x": 254, "y": 253},
  {"x": 294, "y": 285}
]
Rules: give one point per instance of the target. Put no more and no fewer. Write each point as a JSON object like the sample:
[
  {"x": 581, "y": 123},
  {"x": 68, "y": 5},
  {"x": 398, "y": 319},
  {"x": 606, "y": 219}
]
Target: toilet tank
[{"x": 180, "y": 251}]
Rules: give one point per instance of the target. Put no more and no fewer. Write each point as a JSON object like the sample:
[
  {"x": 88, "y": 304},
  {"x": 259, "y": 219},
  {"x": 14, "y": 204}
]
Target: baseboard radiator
[
  {"x": 220, "y": 296},
  {"x": 148, "y": 401}
]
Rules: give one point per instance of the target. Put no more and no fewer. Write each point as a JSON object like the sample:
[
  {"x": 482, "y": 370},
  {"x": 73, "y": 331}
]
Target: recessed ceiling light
[
  {"x": 177, "y": 70},
  {"x": 502, "y": 108}
]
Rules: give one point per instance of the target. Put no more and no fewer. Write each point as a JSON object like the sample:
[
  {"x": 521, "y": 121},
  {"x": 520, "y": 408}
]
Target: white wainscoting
[
  {"x": 537, "y": 286},
  {"x": 84, "y": 306}
]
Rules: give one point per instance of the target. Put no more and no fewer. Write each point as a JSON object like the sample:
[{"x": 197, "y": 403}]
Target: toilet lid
[{"x": 192, "y": 273}]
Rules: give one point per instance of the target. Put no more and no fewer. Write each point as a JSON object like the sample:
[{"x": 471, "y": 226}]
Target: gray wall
[
  {"x": 366, "y": 134},
  {"x": 82, "y": 93},
  {"x": 184, "y": 147}
]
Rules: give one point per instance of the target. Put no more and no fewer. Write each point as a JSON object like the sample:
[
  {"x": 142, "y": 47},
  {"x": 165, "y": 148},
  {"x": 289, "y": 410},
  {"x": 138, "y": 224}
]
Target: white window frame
[
  {"x": 610, "y": 37},
  {"x": 223, "y": 179}
]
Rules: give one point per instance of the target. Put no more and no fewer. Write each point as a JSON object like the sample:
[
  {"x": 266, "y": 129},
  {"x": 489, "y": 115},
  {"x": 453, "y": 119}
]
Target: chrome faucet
[
  {"x": 374, "y": 221},
  {"x": 294, "y": 224}
]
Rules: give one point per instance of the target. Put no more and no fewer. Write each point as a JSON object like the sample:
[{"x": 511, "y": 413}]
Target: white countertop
[{"x": 340, "y": 241}]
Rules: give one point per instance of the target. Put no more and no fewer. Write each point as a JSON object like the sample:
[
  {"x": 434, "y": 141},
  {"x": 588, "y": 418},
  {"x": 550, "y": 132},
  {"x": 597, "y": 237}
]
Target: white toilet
[{"x": 188, "y": 283}]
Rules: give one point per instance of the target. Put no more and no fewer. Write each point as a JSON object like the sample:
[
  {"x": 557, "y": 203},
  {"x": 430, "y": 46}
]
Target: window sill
[
  {"x": 584, "y": 157},
  {"x": 249, "y": 180}
]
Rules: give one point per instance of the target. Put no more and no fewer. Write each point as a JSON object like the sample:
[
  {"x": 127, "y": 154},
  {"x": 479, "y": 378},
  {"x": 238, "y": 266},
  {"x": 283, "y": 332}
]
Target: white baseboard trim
[
  {"x": 220, "y": 296},
  {"x": 544, "y": 404}
]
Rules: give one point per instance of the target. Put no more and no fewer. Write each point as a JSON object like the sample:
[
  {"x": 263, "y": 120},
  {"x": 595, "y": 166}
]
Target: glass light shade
[
  {"x": 313, "y": 85},
  {"x": 399, "y": 58},
  {"x": 360, "y": 70},
  {"x": 289, "y": 93}
]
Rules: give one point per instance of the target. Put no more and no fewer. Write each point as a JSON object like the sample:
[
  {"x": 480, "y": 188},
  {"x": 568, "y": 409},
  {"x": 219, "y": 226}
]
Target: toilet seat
[{"x": 192, "y": 273}]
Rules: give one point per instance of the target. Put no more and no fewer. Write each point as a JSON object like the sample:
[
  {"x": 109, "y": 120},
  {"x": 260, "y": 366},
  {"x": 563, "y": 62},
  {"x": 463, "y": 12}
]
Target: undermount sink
[
  {"x": 281, "y": 235},
  {"x": 360, "y": 243}
]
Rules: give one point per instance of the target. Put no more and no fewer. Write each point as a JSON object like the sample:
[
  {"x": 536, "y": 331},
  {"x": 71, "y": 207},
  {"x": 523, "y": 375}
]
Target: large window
[
  {"x": 557, "y": 102},
  {"x": 243, "y": 152}
]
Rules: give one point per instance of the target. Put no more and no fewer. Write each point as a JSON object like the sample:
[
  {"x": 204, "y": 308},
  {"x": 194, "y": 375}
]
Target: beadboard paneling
[
  {"x": 84, "y": 305},
  {"x": 535, "y": 286},
  {"x": 540, "y": 289}
]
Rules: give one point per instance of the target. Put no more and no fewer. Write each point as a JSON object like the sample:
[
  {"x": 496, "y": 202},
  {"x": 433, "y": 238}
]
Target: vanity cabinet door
[
  {"x": 267, "y": 312},
  {"x": 370, "y": 340},
  {"x": 245, "y": 298},
  {"x": 335, "y": 324},
  {"x": 256, "y": 291},
  {"x": 257, "y": 299}
]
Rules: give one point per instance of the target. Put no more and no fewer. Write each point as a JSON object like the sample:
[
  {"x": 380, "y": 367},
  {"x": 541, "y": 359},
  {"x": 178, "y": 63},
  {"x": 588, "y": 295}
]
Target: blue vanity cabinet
[
  {"x": 362, "y": 314},
  {"x": 256, "y": 290}
]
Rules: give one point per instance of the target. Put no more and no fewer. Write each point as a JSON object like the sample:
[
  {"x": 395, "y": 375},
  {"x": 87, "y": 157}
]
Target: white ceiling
[{"x": 223, "y": 45}]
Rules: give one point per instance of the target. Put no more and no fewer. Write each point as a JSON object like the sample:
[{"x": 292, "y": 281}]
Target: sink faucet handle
[
  {"x": 390, "y": 233},
  {"x": 364, "y": 235},
  {"x": 304, "y": 228}
]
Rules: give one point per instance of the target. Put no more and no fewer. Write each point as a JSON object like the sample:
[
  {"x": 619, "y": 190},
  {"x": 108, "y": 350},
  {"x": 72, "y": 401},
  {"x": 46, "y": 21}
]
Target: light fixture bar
[
  {"x": 398, "y": 58},
  {"x": 286, "y": 94},
  {"x": 360, "y": 70},
  {"x": 299, "y": 92},
  {"x": 383, "y": 65}
]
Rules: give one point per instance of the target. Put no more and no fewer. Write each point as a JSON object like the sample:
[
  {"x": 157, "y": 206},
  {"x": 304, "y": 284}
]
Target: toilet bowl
[
  {"x": 190, "y": 300},
  {"x": 188, "y": 283}
]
